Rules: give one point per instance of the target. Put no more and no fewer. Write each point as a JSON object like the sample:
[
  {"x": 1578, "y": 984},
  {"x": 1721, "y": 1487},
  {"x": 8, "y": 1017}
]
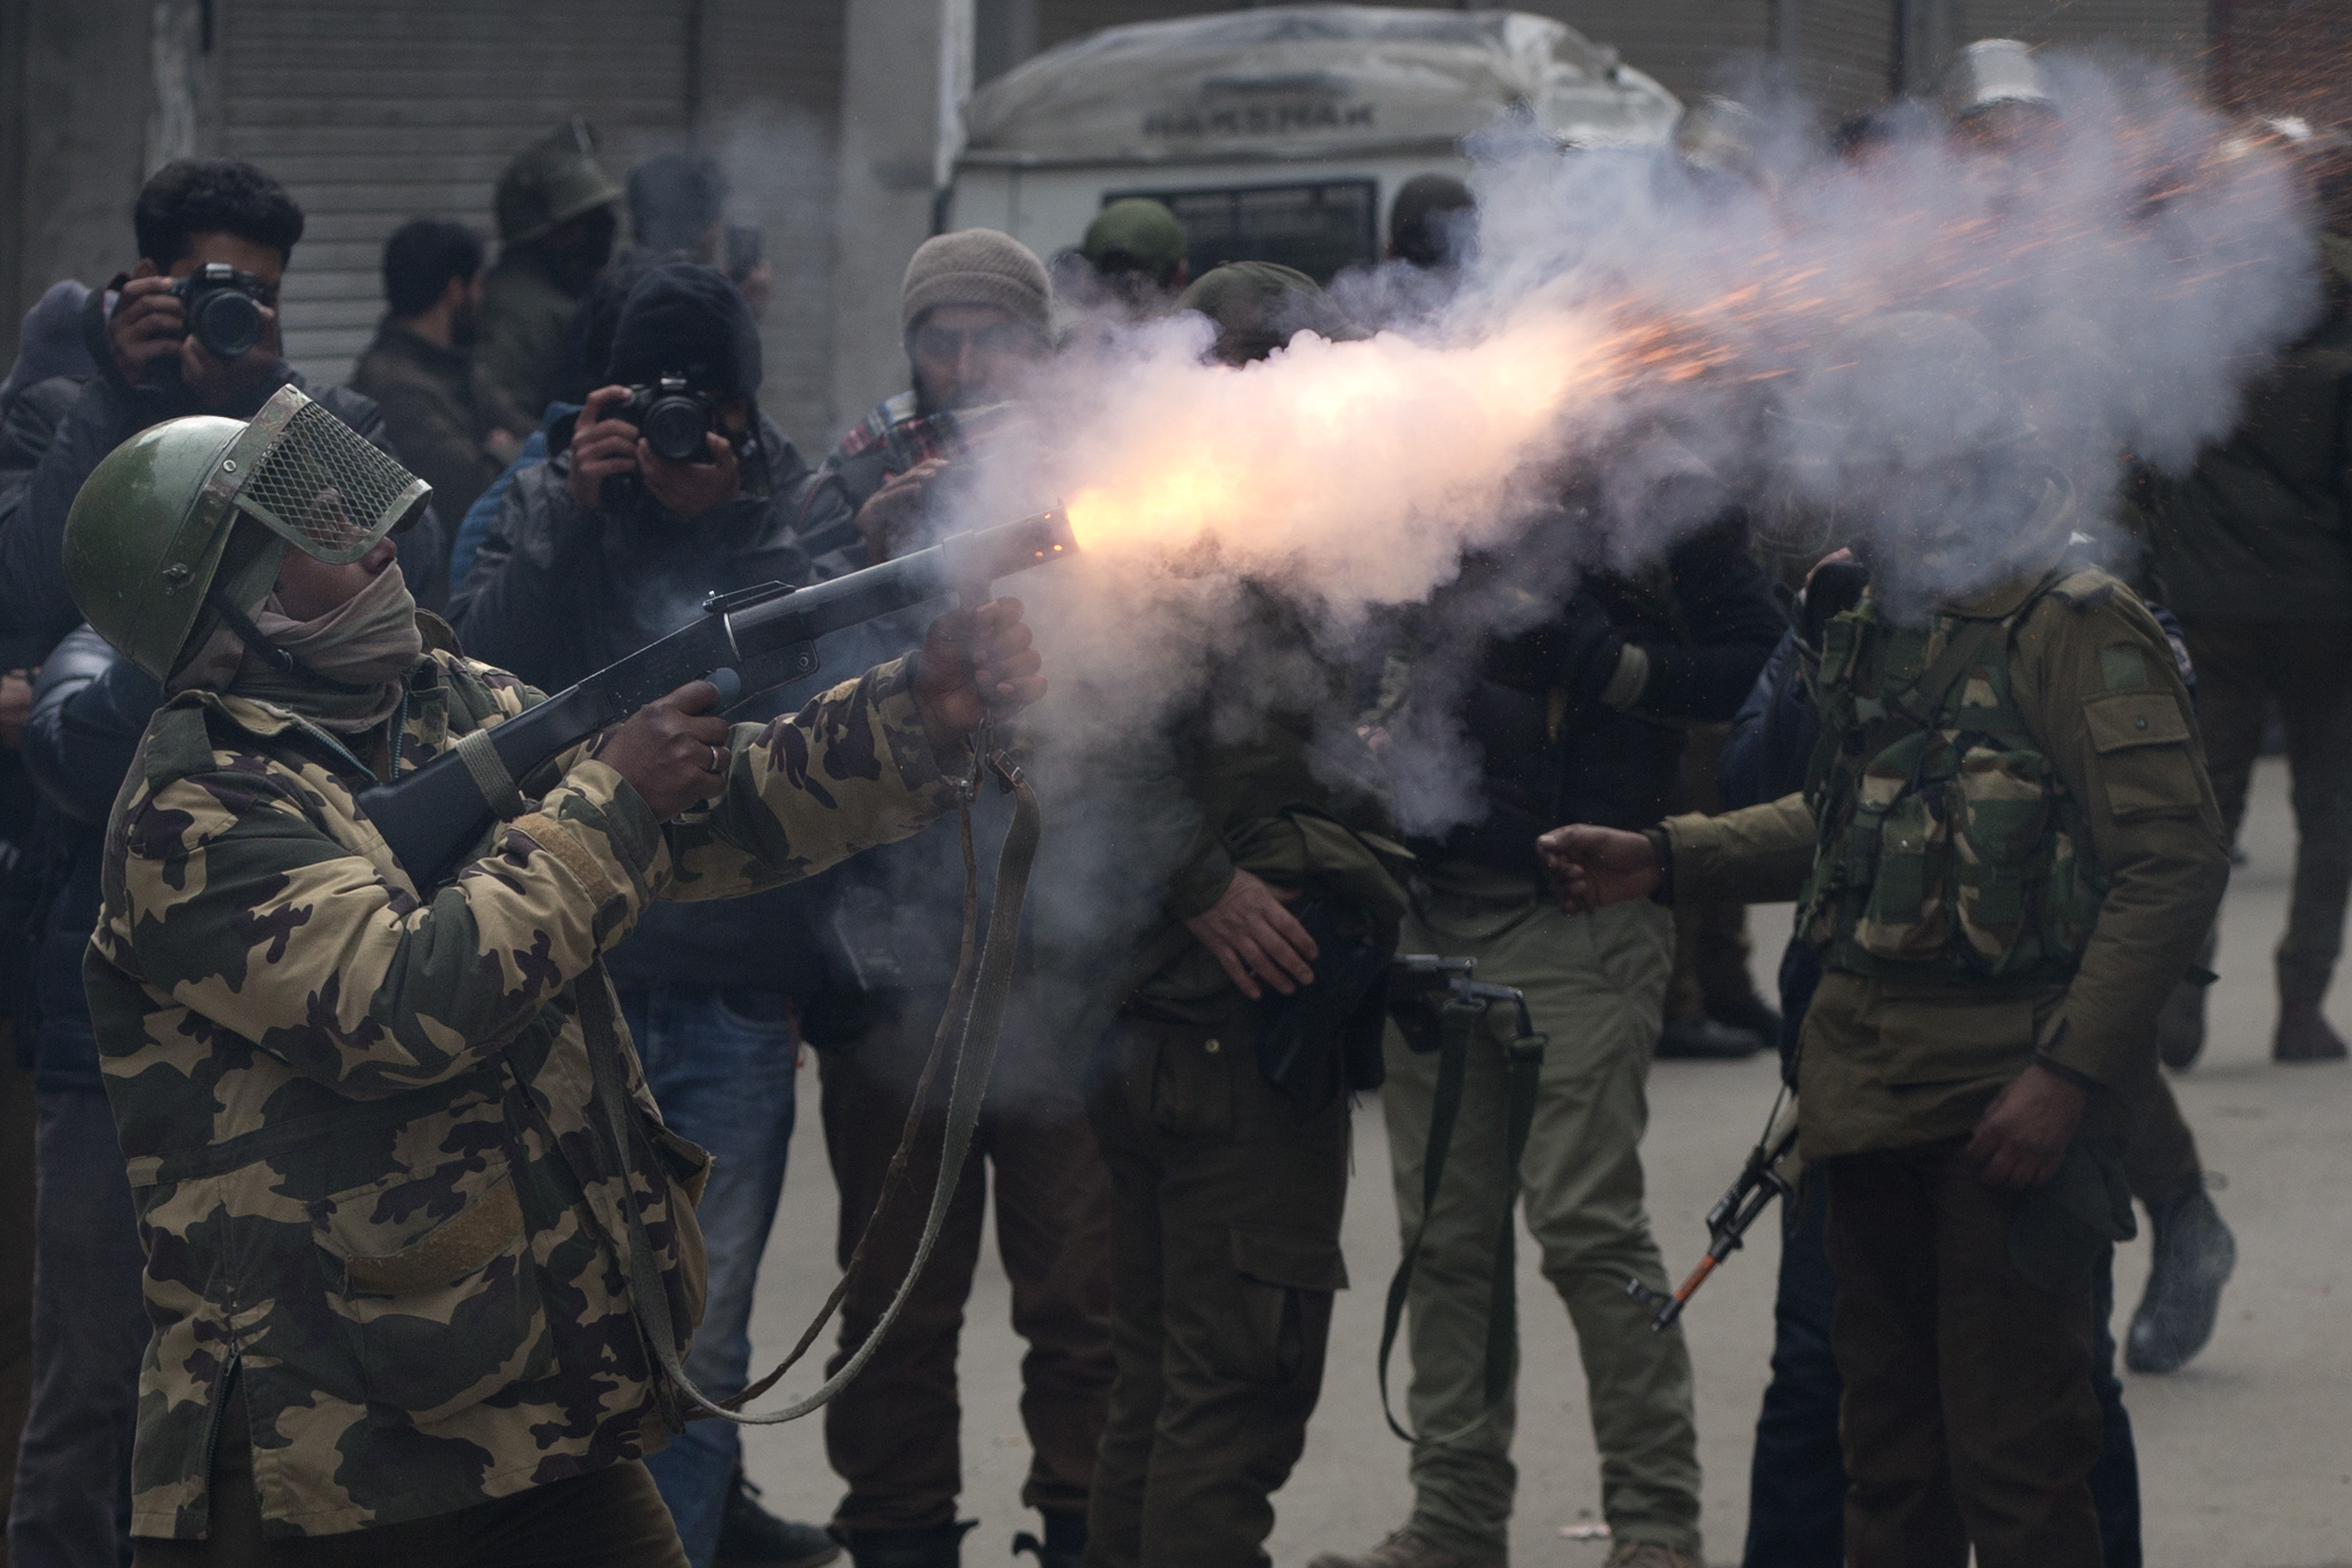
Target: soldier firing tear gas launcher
[{"x": 747, "y": 642}]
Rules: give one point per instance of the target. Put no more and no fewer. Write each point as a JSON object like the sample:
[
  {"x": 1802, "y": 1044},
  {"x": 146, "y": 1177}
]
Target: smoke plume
[{"x": 1626, "y": 328}]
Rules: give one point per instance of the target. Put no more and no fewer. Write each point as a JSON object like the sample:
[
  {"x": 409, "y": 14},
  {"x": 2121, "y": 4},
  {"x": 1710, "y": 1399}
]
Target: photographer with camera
[
  {"x": 669, "y": 485},
  {"x": 195, "y": 331}
]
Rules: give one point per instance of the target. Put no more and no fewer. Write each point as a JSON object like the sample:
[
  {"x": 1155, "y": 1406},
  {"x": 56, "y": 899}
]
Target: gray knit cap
[{"x": 974, "y": 267}]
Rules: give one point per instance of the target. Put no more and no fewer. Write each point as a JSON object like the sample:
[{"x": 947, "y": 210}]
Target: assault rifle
[
  {"x": 1771, "y": 1172},
  {"x": 745, "y": 642}
]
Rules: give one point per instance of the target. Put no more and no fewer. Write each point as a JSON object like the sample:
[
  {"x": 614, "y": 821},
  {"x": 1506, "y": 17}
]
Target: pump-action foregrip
[{"x": 746, "y": 642}]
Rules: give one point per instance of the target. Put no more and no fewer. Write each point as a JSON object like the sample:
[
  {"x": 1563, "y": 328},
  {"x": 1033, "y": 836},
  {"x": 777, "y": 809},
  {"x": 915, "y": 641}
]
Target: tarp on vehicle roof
[{"x": 1309, "y": 81}]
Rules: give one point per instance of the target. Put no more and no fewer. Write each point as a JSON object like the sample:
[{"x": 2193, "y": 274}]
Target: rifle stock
[{"x": 747, "y": 642}]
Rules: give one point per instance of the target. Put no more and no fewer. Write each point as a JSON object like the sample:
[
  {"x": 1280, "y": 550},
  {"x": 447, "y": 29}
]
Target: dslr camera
[
  {"x": 673, "y": 418},
  {"x": 223, "y": 307}
]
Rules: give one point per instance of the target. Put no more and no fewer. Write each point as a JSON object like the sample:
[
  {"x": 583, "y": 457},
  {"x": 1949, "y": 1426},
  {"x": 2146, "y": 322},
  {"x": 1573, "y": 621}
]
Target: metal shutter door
[{"x": 374, "y": 113}]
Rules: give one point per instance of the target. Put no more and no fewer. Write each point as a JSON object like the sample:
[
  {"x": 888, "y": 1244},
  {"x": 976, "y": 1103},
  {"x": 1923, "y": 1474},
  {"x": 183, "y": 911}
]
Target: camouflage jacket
[{"x": 359, "y": 1117}]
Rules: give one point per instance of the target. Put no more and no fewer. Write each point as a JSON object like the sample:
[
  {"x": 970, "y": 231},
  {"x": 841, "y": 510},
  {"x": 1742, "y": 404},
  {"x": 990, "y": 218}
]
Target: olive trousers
[
  {"x": 1970, "y": 1417},
  {"x": 1594, "y": 983},
  {"x": 1225, "y": 1254}
]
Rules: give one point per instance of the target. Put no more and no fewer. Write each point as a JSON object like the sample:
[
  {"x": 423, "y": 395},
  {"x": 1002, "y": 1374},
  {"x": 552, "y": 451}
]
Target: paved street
[{"x": 2246, "y": 1458}]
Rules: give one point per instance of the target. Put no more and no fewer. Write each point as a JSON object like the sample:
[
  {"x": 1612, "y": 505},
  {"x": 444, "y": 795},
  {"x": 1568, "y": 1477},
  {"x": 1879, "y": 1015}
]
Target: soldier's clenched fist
[{"x": 673, "y": 750}]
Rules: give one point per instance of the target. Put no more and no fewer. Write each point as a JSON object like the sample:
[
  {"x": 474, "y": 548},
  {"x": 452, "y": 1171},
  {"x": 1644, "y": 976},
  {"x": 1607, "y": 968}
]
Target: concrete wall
[
  {"x": 905, "y": 66},
  {"x": 77, "y": 91},
  {"x": 770, "y": 113}
]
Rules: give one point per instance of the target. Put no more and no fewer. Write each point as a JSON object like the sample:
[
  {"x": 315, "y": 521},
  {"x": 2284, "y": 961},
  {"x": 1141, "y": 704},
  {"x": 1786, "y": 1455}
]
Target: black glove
[{"x": 1579, "y": 652}]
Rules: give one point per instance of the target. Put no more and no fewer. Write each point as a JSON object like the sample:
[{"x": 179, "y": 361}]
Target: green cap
[
  {"x": 1135, "y": 233},
  {"x": 1258, "y": 305},
  {"x": 551, "y": 182}
]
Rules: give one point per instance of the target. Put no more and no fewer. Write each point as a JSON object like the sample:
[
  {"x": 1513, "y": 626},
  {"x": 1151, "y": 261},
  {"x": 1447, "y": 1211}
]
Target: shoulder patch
[{"x": 2123, "y": 666}]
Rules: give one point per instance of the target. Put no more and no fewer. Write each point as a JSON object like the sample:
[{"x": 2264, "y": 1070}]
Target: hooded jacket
[
  {"x": 557, "y": 594},
  {"x": 359, "y": 1115}
]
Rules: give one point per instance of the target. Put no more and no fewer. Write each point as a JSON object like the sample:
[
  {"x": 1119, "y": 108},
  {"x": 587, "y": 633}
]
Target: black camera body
[
  {"x": 223, "y": 307},
  {"x": 674, "y": 419}
]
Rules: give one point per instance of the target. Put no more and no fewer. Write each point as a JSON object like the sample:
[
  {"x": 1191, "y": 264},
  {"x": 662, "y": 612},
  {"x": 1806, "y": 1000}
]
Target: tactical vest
[{"x": 1949, "y": 847}]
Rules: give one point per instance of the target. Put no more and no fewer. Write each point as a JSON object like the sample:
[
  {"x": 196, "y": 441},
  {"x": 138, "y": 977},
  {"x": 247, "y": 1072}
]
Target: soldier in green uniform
[
  {"x": 558, "y": 214},
  {"x": 1227, "y": 1186},
  {"x": 2008, "y": 855},
  {"x": 390, "y": 1140}
]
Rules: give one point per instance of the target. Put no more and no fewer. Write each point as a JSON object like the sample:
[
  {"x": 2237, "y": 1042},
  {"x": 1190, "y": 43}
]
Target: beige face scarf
[{"x": 353, "y": 660}]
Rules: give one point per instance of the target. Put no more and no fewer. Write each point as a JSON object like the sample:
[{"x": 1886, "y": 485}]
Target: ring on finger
[{"x": 717, "y": 761}]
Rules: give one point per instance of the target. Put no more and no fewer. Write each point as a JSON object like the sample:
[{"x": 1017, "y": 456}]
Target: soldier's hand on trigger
[
  {"x": 673, "y": 750},
  {"x": 975, "y": 663},
  {"x": 1591, "y": 867},
  {"x": 1255, "y": 938},
  {"x": 600, "y": 448},
  {"x": 892, "y": 514},
  {"x": 2022, "y": 1136}
]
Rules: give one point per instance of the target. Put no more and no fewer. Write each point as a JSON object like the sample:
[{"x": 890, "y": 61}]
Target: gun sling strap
[
  {"x": 1459, "y": 1021},
  {"x": 974, "y": 1013}
]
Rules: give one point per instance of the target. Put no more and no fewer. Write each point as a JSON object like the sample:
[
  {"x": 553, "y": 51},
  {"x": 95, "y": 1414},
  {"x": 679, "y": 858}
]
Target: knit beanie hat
[
  {"x": 1259, "y": 305},
  {"x": 974, "y": 267},
  {"x": 682, "y": 319}
]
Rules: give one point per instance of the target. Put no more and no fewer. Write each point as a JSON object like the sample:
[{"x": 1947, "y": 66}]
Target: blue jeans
[
  {"x": 1797, "y": 1483},
  {"x": 722, "y": 1075}
]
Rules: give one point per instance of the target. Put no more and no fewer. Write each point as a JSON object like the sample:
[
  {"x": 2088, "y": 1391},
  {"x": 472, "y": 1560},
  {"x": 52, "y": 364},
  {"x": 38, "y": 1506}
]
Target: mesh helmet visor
[{"x": 306, "y": 476}]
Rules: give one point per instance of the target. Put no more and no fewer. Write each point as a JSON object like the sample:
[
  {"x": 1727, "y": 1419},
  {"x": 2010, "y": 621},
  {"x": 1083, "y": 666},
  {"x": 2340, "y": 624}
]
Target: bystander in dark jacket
[
  {"x": 420, "y": 368},
  {"x": 574, "y": 573},
  {"x": 2253, "y": 552}
]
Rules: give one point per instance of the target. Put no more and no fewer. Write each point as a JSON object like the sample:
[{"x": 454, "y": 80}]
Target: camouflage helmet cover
[
  {"x": 152, "y": 530},
  {"x": 551, "y": 182}
]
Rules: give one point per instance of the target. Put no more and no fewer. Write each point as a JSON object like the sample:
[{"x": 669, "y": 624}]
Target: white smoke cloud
[{"x": 2131, "y": 270}]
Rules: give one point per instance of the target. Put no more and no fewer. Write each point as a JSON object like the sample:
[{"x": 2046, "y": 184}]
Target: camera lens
[
  {"x": 674, "y": 427},
  {"x": 227, "y": 323}
]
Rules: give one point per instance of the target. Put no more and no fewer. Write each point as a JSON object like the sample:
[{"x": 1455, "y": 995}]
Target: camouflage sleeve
[
  {"x": 852, "y": 770},
  {"x": 2096, "y": 684},
  {"x": 244, "y": 911},
  {"x": 1758, "y": 855}
]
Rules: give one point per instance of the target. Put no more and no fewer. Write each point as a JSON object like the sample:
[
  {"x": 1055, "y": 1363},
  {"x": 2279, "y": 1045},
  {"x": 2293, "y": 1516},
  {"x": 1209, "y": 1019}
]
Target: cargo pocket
[
  {"x": 433, "y": 1279},
  {"x": 1284, "y": 1280},
  {"x": 1186, "y": 1079},
  {"x": 1907, "y": 916},
  {"x": 687, "y": 1165},
  {"x": 2005, "y": 808},
  {"x": 2142, "y": 740}
]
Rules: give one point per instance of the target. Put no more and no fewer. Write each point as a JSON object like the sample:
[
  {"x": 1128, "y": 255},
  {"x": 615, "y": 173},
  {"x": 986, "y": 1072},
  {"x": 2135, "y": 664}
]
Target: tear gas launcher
[
  {"x": 1771, "y": 1172},
  {"x": 745, "y": 642}
]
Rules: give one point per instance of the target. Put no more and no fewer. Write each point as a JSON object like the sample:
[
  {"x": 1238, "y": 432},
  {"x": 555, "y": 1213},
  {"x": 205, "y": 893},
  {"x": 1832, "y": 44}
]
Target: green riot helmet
[
  {"x": 551, "y": 182},
  {"x": 152, "y": 542}
]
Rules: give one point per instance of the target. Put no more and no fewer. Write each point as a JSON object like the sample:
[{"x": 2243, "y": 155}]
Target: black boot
[
  {"x": 933, "y": 1546},
  {"x": 1064, "y": 1545},
  {"x": 749, "y": 1533},
  {"x": 1701, "y": 1039},
  {"x": 2195, "y": 1254}
]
